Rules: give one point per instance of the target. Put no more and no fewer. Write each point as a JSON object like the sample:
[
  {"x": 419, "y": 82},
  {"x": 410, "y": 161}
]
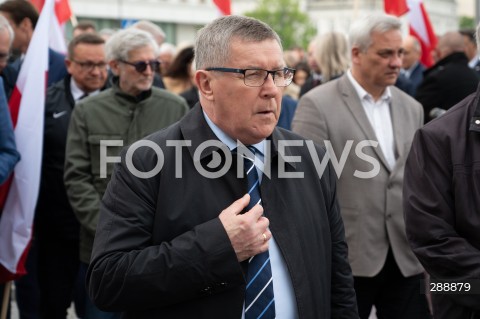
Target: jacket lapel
[{"x": 398, "y": 121}]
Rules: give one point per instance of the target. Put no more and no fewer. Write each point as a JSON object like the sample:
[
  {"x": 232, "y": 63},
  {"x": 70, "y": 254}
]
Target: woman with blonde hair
[{"x": 332, "y": 55}]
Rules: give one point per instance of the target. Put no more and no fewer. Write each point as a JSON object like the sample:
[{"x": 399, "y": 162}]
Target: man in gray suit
[{"x": 367, "y": 126}]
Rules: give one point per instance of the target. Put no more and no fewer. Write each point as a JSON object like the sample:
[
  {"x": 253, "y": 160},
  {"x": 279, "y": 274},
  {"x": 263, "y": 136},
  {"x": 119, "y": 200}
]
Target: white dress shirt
[
  {"x": 378, "y": 114},
  {"x": 77, "y": 92},
  {"x": 473, "y": 62}
]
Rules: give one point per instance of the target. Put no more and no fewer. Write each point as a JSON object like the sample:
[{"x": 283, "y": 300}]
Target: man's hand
[{"x": 248, "y": 232}]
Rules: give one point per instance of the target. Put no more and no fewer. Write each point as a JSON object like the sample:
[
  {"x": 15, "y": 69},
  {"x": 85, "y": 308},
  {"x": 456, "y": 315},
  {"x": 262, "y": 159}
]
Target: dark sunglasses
[{"x": 142, "y": 65}]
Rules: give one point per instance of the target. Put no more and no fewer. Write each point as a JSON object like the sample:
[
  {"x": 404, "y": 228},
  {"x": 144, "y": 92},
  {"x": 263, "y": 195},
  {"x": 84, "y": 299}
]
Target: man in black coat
[
  {"x": 449, "y": 80},
  {"x": 57, "y": 228},
  {"x": 441, "y": 198},
  {"x": 176, "y": 241}
]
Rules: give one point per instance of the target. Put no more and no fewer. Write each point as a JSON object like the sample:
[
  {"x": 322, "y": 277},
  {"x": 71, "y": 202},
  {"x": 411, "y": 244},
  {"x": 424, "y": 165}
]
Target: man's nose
[
  {"x": 396, "y": 60},
  {"x": 269, "y": 89}
]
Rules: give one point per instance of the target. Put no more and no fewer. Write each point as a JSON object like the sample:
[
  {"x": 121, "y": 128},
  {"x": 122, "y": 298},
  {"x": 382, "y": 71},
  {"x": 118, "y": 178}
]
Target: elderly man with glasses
[
  {"x": 102, "y": 124},
  {"x": 223, "y": 215}
]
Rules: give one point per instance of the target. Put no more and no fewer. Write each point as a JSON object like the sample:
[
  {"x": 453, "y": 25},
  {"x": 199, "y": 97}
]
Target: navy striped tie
[{"x": 259, "y": 300}]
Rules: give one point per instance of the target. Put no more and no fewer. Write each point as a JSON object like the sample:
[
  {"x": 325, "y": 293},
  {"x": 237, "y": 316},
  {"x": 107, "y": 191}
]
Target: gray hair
[
  {"x": 332, "y": 54},
  {"x": 168, "y": 48},
  {"x": 151, "y": 28},
  {"x": 121, "y": 43},
  {"x": 212, "y": 46},
  {"x": 360, "y": 34},
  {"x": 5, "y": 25}
]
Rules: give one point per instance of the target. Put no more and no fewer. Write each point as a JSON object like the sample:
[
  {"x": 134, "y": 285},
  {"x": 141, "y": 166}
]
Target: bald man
[
  {"x": 411, "y": 66},
  {"x": 448, "y": 81}
]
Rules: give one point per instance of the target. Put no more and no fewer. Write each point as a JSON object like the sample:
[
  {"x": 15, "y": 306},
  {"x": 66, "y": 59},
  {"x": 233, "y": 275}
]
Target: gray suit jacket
[{"x": 371, "y": 207}]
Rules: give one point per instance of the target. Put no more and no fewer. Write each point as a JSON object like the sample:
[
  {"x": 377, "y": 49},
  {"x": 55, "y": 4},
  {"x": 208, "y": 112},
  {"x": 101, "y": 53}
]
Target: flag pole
[{"x": 6, "y": 299}]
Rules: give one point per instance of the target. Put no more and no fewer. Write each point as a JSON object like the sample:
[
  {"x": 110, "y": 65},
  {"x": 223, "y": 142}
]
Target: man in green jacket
[{"x": 117, "y": 117}]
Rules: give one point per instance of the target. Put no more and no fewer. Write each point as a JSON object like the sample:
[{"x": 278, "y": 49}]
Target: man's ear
[
  {"x": 114, "y": 66},
  {"x": 68, "y": 63},
  {"x": 203, "y": 81},
  {"x": 26, "y": 25},
  {"x": 356, "y": 55}
]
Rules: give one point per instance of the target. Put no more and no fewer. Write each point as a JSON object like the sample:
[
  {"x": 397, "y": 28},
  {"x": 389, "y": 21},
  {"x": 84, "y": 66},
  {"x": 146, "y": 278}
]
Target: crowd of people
[{"x": 350, "y": 181}]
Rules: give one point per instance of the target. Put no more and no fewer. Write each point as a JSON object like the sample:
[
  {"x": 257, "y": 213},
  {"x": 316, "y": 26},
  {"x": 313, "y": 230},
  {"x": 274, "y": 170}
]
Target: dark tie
[
  {"x": 259, "y": 300},
  {"x": 83, "y": 96}
]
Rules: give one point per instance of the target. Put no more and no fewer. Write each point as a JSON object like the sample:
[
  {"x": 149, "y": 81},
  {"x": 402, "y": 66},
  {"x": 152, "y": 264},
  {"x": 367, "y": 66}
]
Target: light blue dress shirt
[{"x": 285, "y": 303}]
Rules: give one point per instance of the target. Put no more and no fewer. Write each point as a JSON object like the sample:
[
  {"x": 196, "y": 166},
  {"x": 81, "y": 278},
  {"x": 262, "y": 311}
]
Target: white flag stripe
[
  {"x": 415, "y": 17},
  {"x": 56, "y": 38},
  {"x": 18, "y": 212}
]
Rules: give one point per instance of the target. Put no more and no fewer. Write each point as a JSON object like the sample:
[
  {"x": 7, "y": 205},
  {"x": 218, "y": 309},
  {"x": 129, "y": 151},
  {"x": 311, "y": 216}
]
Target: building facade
[{"x": 180, "y": 19}]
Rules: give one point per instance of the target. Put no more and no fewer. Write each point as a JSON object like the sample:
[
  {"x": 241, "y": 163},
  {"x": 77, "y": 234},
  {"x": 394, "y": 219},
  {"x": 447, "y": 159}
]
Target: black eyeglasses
[
  {"x": 89, "y": 66},
  {"x": 257, "y": 77},
  {"x": 141, "y": 66}
]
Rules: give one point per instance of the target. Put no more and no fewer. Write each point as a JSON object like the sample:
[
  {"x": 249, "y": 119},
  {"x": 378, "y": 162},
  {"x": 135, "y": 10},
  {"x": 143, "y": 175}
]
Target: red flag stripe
[
  {"x": 422, "y": 29},
  {"x": 62, "y": 9},
  {"x": 14, "y": 105},
  {"x": 396, "y": 7},
  {"x": 224, "y": 6}
]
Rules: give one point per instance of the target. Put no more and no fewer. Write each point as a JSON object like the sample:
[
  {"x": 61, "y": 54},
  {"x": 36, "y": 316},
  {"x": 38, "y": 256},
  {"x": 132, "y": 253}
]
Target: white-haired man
[
  {"x": 365, "y": 109},
  {"x": 128, "y": 111}
]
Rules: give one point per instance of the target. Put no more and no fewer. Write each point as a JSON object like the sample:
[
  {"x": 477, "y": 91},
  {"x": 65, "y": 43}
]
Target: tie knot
[
  {"x": 241, "y": 151},
  {"x": 249, "y": 159}
]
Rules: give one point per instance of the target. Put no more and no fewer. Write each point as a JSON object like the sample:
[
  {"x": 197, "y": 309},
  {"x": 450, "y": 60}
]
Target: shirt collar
[
  {"x": 473, "y": 62},
  {"x": 362, "y": 94},
  {"x": 227, "y": 140},
  {"x": 77, "y": 92}
]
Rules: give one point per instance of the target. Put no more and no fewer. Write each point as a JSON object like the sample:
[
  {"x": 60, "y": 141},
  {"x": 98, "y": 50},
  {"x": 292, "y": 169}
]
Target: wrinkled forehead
[
  {"x": 386, "y": 38},
  {"x": 253, "y": 50},
  {"x": 141, "y": 52}
]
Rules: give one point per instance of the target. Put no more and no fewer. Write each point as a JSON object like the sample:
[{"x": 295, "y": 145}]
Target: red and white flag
[
  {"x": 27, "y": 106},
  {"x": 396, "y": 7},
  {"x": 63, "y": 13},
  {"x": 419, "y": 25},
  {"x": 421, "y": 28},
  {"x": 224, "y": 6}
]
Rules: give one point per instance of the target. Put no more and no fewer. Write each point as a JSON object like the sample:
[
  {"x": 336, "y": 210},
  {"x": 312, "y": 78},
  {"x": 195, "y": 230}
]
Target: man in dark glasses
[{"x": 119, "y": 116}]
